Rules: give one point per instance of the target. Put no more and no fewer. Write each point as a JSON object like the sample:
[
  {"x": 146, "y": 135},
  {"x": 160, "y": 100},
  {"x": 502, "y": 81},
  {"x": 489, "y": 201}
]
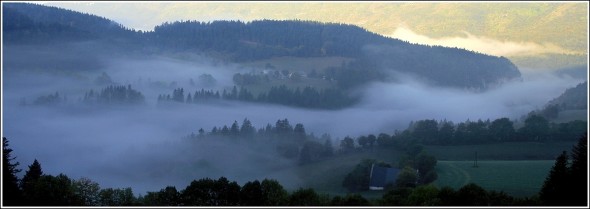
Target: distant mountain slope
[
  {"x": 560, "y": 23},
  {"x": 256, "y": 40},
  {"x": 24, "y": 22},
  {"x": 575, "y": 98}
]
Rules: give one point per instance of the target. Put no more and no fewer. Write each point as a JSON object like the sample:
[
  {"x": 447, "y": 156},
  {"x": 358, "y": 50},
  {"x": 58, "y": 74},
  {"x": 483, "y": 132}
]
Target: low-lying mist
[
  {"x": 482, "y": 44},
  {"x": 142, "y": 146}
]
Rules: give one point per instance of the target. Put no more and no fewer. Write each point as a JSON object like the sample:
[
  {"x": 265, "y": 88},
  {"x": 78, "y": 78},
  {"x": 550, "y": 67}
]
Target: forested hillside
[
  {"x": 238, "y": 41},
  {"x": 505, "y": 21},
  {"x": 26, "y": 23},
  {"x": 574, "y": 98}
]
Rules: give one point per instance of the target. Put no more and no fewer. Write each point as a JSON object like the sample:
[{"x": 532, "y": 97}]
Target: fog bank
[{"x": 142, "y": 146}]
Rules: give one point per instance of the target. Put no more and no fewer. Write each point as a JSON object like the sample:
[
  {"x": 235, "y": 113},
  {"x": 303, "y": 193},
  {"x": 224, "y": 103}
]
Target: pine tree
[
  {"x": 11, "y": 193},
  {"x": 555, "y": 190},
  {"x": 299, "y": 132},
  {"x": 30, "y": 180},
  {"x": 247, "y": 130},
  {"x": 235, "y": 129},
  {"x": 189, "y": 99},
  {"x": 579, "y": 174}
]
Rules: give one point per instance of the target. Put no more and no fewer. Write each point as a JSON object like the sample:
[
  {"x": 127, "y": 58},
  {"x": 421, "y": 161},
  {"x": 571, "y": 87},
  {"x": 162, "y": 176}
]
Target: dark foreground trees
[
  {"x": 566, "y": 185},
  {"x": 11, "y": 193}
]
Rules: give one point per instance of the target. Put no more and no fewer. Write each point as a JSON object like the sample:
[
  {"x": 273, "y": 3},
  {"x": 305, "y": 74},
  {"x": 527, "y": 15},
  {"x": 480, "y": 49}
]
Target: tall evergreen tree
[
  {"x": 235, "y": 129},
  {"x": 11, "y": 193},
  {"x": 579, "y": 171},
  {"x": 30, "y": 179},
  {"x": 251, "y": 194},
  {"x": 555, "y": 190},
  {"x": 247, "y": 130},
  {"x": 299, "y": 132}
]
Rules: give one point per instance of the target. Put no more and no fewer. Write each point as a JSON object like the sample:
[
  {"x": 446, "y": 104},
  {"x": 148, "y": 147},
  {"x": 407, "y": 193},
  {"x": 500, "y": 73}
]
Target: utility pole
[{"x": 475, "y": 162}]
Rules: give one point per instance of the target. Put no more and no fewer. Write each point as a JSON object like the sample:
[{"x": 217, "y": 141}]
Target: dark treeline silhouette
[
  {"x": 309, "y": 97},
  {"x": 565, "y": 186},
  {"x": 433, "y": 132},
  {"x": 291, "y": 142},
  {"x": 274, "y": 38},
  {"x": 114, "y": 95},
  {"x": 295, "y": 142},
  {"x": 416, "y": 168},
  {"x": 50, "y": 99},
  {"x": 574, "y": 98},
  {"x": 263, "y": 39},
  {"x": 28, "y": 23},
  {"x": 110, "y": 95}
]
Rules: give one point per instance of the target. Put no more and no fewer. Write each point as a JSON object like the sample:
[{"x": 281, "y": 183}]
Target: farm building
[{"x": 381, "y": 176}]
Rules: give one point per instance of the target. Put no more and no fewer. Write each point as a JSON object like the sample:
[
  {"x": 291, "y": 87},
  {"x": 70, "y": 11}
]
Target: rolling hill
[{"x": 375, "y": 55}]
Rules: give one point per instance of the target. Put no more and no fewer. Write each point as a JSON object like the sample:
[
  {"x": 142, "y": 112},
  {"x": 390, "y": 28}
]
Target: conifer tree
[
  {"x": 11, "y": 194},
  {"x": 30, "y": 180},
  {"x": 579, "y": 172},
  {"x": 555, "y": 189}
]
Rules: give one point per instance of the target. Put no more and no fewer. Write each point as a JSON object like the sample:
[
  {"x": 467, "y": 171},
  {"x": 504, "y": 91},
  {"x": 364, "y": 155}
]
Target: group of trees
[
  {"x": 355, "y": 73},
  {"x": 432, "y": 132},
  {"x": 309, "y": 97},
  {"x": 468, "y": 195},
  {"x": 110, "y": 95},
  {"x": 50, "y": 99},
  {"x": 574, "y": 98},
  {"x": 26, "y": 23},
  {"x": 114, "y": 95},
  {"x": 263, "y": 39},
  {"x": 251, "y": 78},
  {"x": 358, "y": 179},
  {"x": 290, "y": 141},
  {"x": 566, "y": 184},
  {"x": 536, "y": 128},
  {"x": 39, "y": 189},
  {"x": 220, "y": 192},
  {"x": 416, "y": 168},
  {"x": 268, "y": 38}
]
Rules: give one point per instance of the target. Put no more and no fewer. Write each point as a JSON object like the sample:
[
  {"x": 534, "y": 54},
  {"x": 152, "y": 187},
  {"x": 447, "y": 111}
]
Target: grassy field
[
  {"x": 326, "y": 176},
  {"x": 517, "y": 178},
  {"x": 522, "y": 175},
  {"x": 502, "y": 151}
]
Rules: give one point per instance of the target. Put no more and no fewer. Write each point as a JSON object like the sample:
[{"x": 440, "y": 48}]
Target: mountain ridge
[{"x": 238, "y": 41}]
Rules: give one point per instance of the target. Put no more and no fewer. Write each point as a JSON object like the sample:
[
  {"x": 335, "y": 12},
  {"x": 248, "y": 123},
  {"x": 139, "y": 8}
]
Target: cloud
[{"x": 482, "y": 44}]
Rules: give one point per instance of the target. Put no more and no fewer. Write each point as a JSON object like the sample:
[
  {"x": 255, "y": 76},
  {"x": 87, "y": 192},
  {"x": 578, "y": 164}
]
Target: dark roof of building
[{"x": 381, "y": 176}]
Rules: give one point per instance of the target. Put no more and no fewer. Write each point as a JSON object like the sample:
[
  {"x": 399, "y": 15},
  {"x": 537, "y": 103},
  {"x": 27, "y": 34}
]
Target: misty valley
[{"x": 277, "y": 113}]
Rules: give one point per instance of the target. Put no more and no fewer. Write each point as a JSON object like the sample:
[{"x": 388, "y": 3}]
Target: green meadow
[{"x": 518, "y": 178}]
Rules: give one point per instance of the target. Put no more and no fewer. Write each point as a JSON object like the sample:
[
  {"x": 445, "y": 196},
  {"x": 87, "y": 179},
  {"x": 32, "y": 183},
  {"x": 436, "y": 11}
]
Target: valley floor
[{"x": 517, "y": 168}]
